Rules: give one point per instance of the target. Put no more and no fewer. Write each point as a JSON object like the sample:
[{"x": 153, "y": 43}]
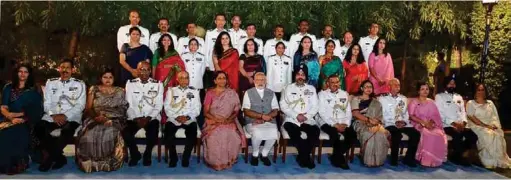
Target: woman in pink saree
[
  {"x": 424, "y": 115},
  {"x": 380, "y": 67},
  {"x": 222, "y": 135}
]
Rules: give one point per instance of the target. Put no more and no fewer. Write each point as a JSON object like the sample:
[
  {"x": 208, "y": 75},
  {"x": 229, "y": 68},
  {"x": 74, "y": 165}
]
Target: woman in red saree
[
  {"x": 355, "y": 68},
  {"x": 226, "y": 59},
  {"x": 166, "y": 62},
  {"x": 222, "y": 135}
]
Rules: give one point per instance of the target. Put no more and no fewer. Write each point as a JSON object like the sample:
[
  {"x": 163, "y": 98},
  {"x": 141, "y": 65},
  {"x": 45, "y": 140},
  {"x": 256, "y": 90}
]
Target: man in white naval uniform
[
  {"x": 260, "y": 107},
  {"x": 163, "y": 25},
  {"x": 123, "y": 35},
  {"x": 251, "y": 32},
  {"x": 182, "y": 106},
  {"x": 145, "y": 98},
  {"x": 269, "y": 46},
  {"x": 299, "y": 103},
  {"x": 210, "y": 40},
  {"x": 64, "y": 101},
  {"x": 236, "y": 32},
  {"x": 367, "y": 42},
  {"x": 294, "y": 40},
  {"x": 327, "y": 35},
  {"x": 335, "y": 119},
  {"x": 348, "y": 40},
  {"x": 396, "y": 121},
  {"x": 183, "y": 42},
  {"x": 454, "y": 117}
]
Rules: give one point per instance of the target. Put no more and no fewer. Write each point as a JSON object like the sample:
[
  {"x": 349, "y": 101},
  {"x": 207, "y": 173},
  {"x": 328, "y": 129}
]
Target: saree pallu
[
  {"x": 229, "y": 63},
  {"x": 312, "y": 62},
  {"x": 167, "y": 67},
  {"x": 222, "y": 141},
  {"x": 355, "y": 75},
  {"x": 333, "y": 66}
]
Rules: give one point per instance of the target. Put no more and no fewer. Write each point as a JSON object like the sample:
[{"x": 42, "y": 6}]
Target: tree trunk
[
  {"x": 448, "y": 60},
  {"x": 73, "y": 44},
  {"x": 403, "y": 63}
]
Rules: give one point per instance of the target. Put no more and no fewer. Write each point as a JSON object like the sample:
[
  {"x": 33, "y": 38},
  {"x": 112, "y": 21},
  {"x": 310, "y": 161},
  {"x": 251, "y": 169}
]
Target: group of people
[{"x": 238, "y": 87}]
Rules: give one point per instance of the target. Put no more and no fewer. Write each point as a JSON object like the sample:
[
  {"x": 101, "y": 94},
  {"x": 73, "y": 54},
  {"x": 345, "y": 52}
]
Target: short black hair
[
  {"x": 278, "y": 26},
  {"x": 251, "y": 24},
  {"x": 220, "y": 14},
  {"x": 303, "y": 20},
  {"x": 67, "y": 60},
  {"x": 245, "y": 46},
  {"x": 166, "y": 19},
  {"x": 327, "y": 25},
  {"x": 280, "y": 43},
  {"x": 133, "y": 10}
]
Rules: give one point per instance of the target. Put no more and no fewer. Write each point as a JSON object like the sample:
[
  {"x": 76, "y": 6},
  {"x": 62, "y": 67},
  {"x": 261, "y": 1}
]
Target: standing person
[
  {"x": 335, "y": 120},
  {"x": 21, "y": 108},
  {"x": 356, "y": 69},
  {"x": 373, "y": 137},
  {"x": 251, "y": 34},
  {"x": 296, "y": 39},
  {"x": 330, "y": 65},
  {"x": 250, "y": 63},
  {"x": 271, "y": 44},
  {"x": 369, "y": 41},
  {"x": 211, "y": 38},
  {"x": 64, "y": 101},
  {"x": 166, "y": 62},
  {"x": 222, "y": 135},
  {"x": 305, "y": 55},
  {"x": 396, "y": 121},
  {"x": 145, "y": 99},
  {"x": 279, "y": 70},
  {"x": 452, "y": 111},
  {"x": 381, "y": 67},
  {"x": 195, "y": 64},
  {"x": 182, "y": 106},
  {"x": 432, "y": 148},
  {"x": 131, "y": 54},
  {"x": 226, "y": 58},
  {"x": 327, "y": 36},
  {"x": 124, "y": 32},
  {"x": 100, "y": 145},
  {"x": 236, "y": 32},
  {"x": 348, "y": 40},
  {"x": 300, "y": 104},
  {"x": 485, "y": 122},
  {"x": 260, "y": 107},
  {"x": 183, "y": 43},
  {"x": 441, "y": 72},
  {"x": 163, "y": 25}
]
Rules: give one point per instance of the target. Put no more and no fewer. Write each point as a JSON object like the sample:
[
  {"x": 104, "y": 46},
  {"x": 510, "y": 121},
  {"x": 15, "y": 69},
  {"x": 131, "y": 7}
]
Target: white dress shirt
[
  {"x": 241, "y": 48},
  {"x": 394, "y": 109},
  {"x": 123, "y": 36},
  {"x": 210, "y": 40},
  {"x": 269, "y": 48},
  {"x": 155, "y": 37},
  {"x": 195, "y": 64},
  {"x": 144, "y": 99},
  {"x": 451, "y": 108},
  {"x": 64, "y": 97},
  {"x": 236, "y": 36},
  {"x": 182, "y": 102},
  {"x": 183, "y": 44},
  {"x": 279, "y": 71},
  {"x": 367, "y": 44},
  {"x": 322, "y": 48},
  {"x": 334, "y": 108},
  {"x": 299, "y": 100},
  {"x": 294, "y": 42}
]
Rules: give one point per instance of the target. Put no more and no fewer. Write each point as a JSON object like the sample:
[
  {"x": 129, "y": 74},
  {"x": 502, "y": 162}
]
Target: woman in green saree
[{"x": 330, "y": 65}]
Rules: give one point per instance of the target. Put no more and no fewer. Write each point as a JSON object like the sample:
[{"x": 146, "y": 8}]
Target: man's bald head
[
  {"x": 144, "y": 70},
  {"x": 183, "y": 78},
  {"x": 395, "y": 86}
]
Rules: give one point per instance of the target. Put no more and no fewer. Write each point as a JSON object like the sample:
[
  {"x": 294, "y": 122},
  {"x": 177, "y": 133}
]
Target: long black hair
[
  {"x": 245, "y": 46},
  {"x": 161, "y": 49},
  {"x": 300, "y": 47},
  {"x": 349, "y": 54},
  {"x": 361, "y": 89},
  {"x": 328, "y": 42},
  {"x": 218, "y": 49},
  {"x": 29, "y": 83},
  {"x": 375, "y": 47}
]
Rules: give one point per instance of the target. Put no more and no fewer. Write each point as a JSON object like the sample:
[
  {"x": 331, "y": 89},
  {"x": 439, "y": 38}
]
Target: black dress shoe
[
  {"x": 300, "y": 162},
  {"x": 334, "y": 161},
  {"x": 254, "y": 161},
  {"x": 410, "y": 163},
  {"x": 147, "y": 159},
  {"x": 172, "y": 163},
  {"x": 45, "y": 166},
  {"x": 134, "y": 160},
  {"x": 344, "y": 166},
  {"x": 59, "y": 163},
  {"x": 310, "y": 163},
  {"x": 185, "y": 163},
  {"x": 266, "y": 161},
  {"x": 394, "y": 162}
]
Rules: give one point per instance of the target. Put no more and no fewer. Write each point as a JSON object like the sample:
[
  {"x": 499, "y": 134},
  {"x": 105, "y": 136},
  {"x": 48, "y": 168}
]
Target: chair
[
  {"x": 180, "y": 134},
  {"x": 325, "y": 137},
  {"x": 245, "y": 150},
  {"x": 285, "y": 138}
]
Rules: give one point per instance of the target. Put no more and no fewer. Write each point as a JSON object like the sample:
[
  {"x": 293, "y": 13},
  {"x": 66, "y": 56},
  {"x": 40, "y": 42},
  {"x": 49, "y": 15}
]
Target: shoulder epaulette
[
  {"x": 200, "y": 53},
  {"x": 133, "y": 80},
  {"x": 53, "y": 79},
  {"x": 77, "y": 80},
  {"x": 153, "y": 81},
  {"x": 273, "y": 55},
  {"x": 185, "y": 53},
  {"x": 191, "y": 87},
  {"x": 287, "y": 56}
]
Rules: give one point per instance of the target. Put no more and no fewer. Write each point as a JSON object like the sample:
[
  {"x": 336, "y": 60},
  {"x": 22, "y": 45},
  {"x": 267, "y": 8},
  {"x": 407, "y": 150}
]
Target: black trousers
[
  {"x": 304, "y": 146},
  {"x": 278, "y": 118},
  {"x": 339, "y": 147},
  {"x": 201, "y": 118},
  {"x": 54, "y": 145},
  {"x": 170, "y": 137},
  {"x": 151, "y": 133},
  {"x": 413, "y": 141},
  {"x": 458, "y": 144}
]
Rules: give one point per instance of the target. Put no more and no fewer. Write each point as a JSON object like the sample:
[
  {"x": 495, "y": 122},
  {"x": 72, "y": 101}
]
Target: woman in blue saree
[
  {"x": 306, "y": 55},
  {"x": 21, "y": 108}
]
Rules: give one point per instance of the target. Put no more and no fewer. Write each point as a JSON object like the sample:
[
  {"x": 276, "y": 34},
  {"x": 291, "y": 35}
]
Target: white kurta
[{"x": 267, "y": 130}]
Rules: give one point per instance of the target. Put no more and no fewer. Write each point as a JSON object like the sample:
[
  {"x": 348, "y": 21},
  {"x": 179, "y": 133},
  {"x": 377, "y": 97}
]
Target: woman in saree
[
  {"x": 331, "y": 64},
  {"x": 484, "y": 121},
  {"x": 373, "y": 137},
  {"x": 166, "y": 62},
  {"x": 424, "y": 116},
  {"x": 381, "y": 67},
  {"x": 100, "y": 145},
  {"x": 355, "y": 68},
  {"x": 222, "y": 135},
  {"x": 21, "y": 109},
  {"x": 131, "y": 54},
  {"x": 226, "y": 59},
  {"x": 306, "y": 55},
  {"x": 250, "y": 63}
]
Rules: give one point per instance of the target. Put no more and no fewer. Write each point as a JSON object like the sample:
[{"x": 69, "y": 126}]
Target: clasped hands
[{"x": 264, "y": 118}]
